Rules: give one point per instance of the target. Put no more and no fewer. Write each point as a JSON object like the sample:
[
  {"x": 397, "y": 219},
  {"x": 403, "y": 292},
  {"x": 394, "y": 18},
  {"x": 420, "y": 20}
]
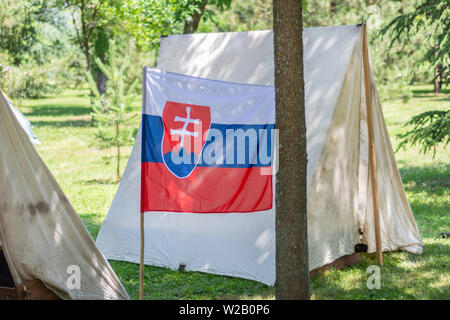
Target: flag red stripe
[{"x": 205, "y": 190}]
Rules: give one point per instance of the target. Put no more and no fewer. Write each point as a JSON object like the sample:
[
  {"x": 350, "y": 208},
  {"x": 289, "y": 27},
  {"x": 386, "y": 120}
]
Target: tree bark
[
  {"x": 192, "y": 25},
  {"x": 437, "y": 79},
  {"x": 100, "y": 81},
  {"x": 100, "y": 40},
  {"x": 333, "y": 7},
  {"x": 437, "y": 73},
  {"x": 88, "y": 57},
  {"x": 292, "y": 268}
]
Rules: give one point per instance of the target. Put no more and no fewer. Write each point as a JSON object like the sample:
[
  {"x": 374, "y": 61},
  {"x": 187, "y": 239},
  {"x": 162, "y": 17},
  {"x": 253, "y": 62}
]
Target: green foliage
[
  {"x": 32, "y": 43},
  {"x": 148, "y": 20},
  {"x": 71, "y": 70},
  {"x": 433, "y": 18},
  {"x": 19, "y": 30},
  {"x": 239, "y": 16},
  {"x": 111, "y": 109},
  {"x": 91, "y": 27},
  {"x": 31, "y": 31},
  {"x": 394, "y": 69},
  {"x": 430, "y": 129},
  {"x": 27, "y": 81},
  {"x": 397, "y": 88},
  {"x": 183, "y": 10}
]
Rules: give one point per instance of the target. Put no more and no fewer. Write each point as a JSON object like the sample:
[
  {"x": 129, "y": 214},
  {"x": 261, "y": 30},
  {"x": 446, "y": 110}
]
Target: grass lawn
[{"x": 87, "y": 176}]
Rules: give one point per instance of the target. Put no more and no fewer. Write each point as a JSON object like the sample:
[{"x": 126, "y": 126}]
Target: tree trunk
[
  {"x": 333, "y": 7},
  {"x": 292, "y": 269},
  {"x": 88, "y": 58},
  {"x": 191, "y": 26},
  {"x": 101, "y": 47},
  {"x": 100, "y": 81},
  {"x": 437, "y": 73},
  {"x": 437, "y": 78},
  {"x": 89, "y": 69}
]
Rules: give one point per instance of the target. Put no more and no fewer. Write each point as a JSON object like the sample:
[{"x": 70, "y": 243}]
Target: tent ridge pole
[{"x": 372, "y": 151}]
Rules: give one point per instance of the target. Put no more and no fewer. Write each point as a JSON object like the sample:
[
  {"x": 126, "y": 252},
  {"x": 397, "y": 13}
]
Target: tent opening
[{"x": 6, "y": 279}]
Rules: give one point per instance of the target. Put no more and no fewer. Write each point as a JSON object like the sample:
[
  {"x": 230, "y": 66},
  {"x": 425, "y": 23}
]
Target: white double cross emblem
[{"x": 183, "y": 132}]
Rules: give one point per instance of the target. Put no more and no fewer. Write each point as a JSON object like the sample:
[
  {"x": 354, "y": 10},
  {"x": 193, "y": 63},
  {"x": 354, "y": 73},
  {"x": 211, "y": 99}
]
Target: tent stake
[
  {"x": 141, "y": 265},
  {"x": 372, "y": 154}
]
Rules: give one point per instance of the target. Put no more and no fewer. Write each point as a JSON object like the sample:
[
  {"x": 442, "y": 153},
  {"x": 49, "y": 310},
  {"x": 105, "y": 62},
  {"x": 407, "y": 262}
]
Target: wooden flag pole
[
  {"x": 141, "y": 266},
  {"x": 141, "y": 258},
  {"x": 372, "y": 154}
]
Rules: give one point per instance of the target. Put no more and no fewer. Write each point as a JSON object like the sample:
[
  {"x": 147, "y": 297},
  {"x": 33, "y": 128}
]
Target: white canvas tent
[
  {"x": 41, "y": 236},
  {"x": 339, "y": 193},
  {"x": 26, "y": 125}
]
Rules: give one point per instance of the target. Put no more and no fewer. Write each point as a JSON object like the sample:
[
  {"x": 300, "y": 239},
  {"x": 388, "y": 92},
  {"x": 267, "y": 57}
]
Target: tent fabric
[
  {"x": 26, "y": 125},
  {"x": 42, "y": 236},
  {"x": 339, "y": 195},
  {"x": 398, "y": 226}
]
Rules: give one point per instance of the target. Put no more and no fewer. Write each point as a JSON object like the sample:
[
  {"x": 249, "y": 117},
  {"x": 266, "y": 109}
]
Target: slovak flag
[{"x": 207, "y": 146}]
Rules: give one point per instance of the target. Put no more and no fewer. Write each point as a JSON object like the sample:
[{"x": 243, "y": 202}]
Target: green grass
[{"x": 87, "y": 176}]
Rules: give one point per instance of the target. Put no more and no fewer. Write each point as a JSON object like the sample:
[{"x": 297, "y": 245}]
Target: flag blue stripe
[{"x": 255, "y": 153}]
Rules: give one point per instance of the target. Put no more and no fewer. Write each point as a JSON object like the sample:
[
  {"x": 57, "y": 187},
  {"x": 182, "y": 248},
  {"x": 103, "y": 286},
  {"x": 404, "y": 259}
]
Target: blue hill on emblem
[{"x": 181, "y": 163}]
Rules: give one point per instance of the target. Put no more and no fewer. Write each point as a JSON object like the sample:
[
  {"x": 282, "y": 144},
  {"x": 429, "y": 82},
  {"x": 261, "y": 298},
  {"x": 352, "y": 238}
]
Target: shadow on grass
[
  {"x": 438, "y": 98},
  {"x": 431, "y": 179},
  {"x": 58, "y": 110},
  {"x": 404, "y": 276},
  {"x": 419, "y": 93},
  {"x": 79, "y": 123},
  {"x": 98, "y": 181},
  {"x": 427, "y": 188}
]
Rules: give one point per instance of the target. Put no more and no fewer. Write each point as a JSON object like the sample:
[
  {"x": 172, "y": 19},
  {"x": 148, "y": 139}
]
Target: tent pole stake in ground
[
  {"x": 372, "y": 154},
  {"x": 141, "y": 266}
]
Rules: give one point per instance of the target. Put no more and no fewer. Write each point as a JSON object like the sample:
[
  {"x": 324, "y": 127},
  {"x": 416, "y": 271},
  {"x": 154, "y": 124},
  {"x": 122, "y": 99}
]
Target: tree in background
[
  {"x": 32, "y": 47},
  {"x": 191, "y": 12},
  {"x": 147, "y": 21},
  {"x": 85, "y": 18},
  {"x": 433, "y": 18},
  {"x": 23, "y": 26},
  {"x": 92, "y": 31},
  {"x": 96, "y": 21},
  {"x": 292, "y": 267},
  {"x": 112, "y": 108},
  {"x": 392, "y": 69},
  {"x": 430, "y": 128},
  {"x": 239, "y": 16}
]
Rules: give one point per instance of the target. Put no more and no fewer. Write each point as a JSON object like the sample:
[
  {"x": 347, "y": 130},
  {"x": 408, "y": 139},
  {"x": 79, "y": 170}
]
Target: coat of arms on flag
[
  {"x": 206, "y": 145},
  {"x": 185, "y": 131}
]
